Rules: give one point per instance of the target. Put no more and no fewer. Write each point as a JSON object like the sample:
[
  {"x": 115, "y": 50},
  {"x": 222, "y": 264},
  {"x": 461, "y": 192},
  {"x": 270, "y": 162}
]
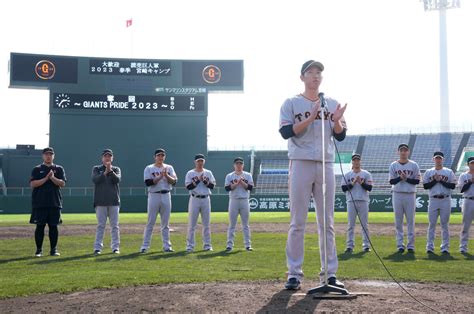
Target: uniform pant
[
  {"x": 363, "y": 209},
  {"x": 112, "y": 212},
  {"x": 306, "y": 180},
  {"x": 158, "y": 203},
  {"x": 198, "y": 206},
  {"x": 238, "y": 206},
  {"x": 404, "y": 204},
  {"x": 467, "y": 217},
  {"x": 441, "y": 208}
]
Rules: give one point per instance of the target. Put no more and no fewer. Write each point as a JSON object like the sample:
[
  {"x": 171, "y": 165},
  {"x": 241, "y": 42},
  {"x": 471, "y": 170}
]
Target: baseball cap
[
  {"x": 403, "y": 146},
  {"x": 311, "y": 63},
  {"x": 160, "y": 151},
  {"x": 356, "y": 156},
  {"x": 48, "y": 150},
  {"x": 107, "y": 151},
  {"x": 199, "y": 157},
  {"x": 238, "y": 159},
  {"x": 438, "y": 154},
  {"x": 470, "y": 159}
]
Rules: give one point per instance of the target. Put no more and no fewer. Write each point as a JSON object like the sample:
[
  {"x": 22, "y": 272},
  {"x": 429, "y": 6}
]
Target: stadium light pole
[{"x": 442, "y": 6}]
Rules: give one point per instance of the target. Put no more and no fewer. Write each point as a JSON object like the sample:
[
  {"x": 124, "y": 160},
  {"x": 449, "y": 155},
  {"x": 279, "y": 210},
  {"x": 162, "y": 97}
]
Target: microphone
[{"x": 322, "y": 100}]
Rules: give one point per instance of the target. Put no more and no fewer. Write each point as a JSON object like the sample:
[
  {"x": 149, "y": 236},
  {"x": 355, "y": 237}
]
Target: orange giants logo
[
  {"x": 211, "y": 74},
  {"x": 45, "y": 69}
]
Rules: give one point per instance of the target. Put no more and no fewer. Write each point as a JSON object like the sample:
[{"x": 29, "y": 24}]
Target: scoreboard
[{"x": 130, "y": 105}]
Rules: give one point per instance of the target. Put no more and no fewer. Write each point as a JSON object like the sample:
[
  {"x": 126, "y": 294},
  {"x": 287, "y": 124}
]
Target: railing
[{"x": 89, "y": 191}]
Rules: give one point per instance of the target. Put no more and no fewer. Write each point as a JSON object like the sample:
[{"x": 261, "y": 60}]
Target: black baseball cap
[
  {"x": 356, "y": 156},
  {"x": 238, "y": 159},
  {"x": 403, "y": 146},
  {"x": 48, "y": 150},
  {"x": 199, "y": 157},
  {"x": 160, "y": 151},
  {"x": 438, "y": 154},
  {"x": 107, "y": 151},
  {"x": 470, "y": 159},
  {"x": 311, "y": 63}
]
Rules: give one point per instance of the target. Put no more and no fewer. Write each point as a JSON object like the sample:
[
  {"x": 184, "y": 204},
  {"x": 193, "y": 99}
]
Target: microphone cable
[{"x": 364, "y": 229}]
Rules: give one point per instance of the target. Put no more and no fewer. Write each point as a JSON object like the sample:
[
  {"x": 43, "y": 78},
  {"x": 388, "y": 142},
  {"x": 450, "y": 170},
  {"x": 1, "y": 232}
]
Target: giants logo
[
  {"x": 408, "y": 173},
  {"x": 327, "y": 116},
  {"x": 45, "y": 70},
  {"x": 211, "y": 74}
]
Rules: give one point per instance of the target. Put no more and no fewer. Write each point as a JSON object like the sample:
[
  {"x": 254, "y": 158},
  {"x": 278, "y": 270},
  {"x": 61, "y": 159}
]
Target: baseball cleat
[
  {"x": 210, "y": 249},
  {"x": 54, "y": 253},
  {"x": 348, "y": 250},
  {"x": 249, "y": 248},
  {"x": 97, "y": 252},
  {"x": 429, "y": 251},
  {"x": 292, "y": 284},
  {"x": 143, "y": 251},
  {"x": 38, "y": 253},
  {"x": 189, "y": 250},
  {"x": 367, "y": 249},
  {"x": 401, "y": 250},
  {"x": 168, "y": 250},
  {"x": 445, "y": 252},
  {"x": 116, "y": 251},
  {"x": 411, "y": 251},
  {"x": 228, "y": 249},
  {"x": 332, "y": 281},
  {"x": 463, "y": 251}
]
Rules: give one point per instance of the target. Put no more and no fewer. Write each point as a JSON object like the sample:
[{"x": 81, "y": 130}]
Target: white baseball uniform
[
  {"x": 159, "y": 201},
  {"x": 305, "y": 180},
  {"x": 199, "y": 203},
  {"x": 357, "y": 199},
  {"x": 238, "y": 205},
  {"x": 404, "y": 199},
  {"x": 467, "y": 188},
  {"x": 439, "y": 205}
]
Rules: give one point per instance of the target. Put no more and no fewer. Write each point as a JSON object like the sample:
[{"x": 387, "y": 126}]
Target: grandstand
[{"x": 378, "y": 151}]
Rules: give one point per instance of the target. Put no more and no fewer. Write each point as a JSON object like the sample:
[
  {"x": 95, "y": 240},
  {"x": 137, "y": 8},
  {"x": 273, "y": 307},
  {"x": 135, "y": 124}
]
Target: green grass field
[
  {"x": 217, "y": 217},
  {"x": 76, "y": 269}
]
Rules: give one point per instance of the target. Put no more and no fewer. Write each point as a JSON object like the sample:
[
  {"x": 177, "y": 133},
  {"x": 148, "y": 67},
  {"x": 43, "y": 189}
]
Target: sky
[{"x": 381, "y": 57}]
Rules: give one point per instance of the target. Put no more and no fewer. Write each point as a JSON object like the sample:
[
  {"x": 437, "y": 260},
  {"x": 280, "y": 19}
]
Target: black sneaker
[
  {"x": 401, "y": 250},
  {"x": 249, "y": 248},
  {"x": 348, "y": 250},
  {"x": 411, "y": 251},
  {"x": 39, "y": 253},
  {"x": 97, "y": 252},
  {"x": 367, "y": 249},
  {"x": 292, "y": 284},
  {"x": 116, "y": 251},
  {"x": 334, "y": 282},
  {"x": 54, "y": 253},
  {"x": 143, "y": 251},
  {"x": 228, "y": 249},
  {"x": 169, "y": 250}
]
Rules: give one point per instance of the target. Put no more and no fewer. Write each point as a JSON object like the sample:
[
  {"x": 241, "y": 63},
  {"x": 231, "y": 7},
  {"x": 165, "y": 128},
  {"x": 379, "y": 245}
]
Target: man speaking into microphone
[{"x": 300, "y": 122}]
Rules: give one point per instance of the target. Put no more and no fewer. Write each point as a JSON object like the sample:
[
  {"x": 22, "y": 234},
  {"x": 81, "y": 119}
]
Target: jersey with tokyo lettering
[
  {"x": 239, "y": 191},
  {"x": 410, "y": 169},
  {"x": 446, "y": 174},
  {"x": 200, "y": 189},
  {"x": 307, "y": 144},
  {"x": 464, "y": 179},
  {"x": 152, "y": 171},
  {"x": 358, "y": 192}
]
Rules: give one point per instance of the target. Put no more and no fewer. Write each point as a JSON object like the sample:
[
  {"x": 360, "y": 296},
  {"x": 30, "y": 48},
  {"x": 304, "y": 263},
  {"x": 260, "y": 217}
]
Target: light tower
[{"x": 442, "y": 6}]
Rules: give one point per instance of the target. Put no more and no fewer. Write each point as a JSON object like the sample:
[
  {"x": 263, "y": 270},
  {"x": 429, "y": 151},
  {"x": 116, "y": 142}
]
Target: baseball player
[
  {"x": 357, "y": 184},
  {"x": 199, "y": 181},
  {"x": 47, "y": 180},
  {"x": 440, "y": 181},
  {"x": 467, "y": 188},
  {"x": 239, "y": 183},
  {"x": 160, "y": 179},
  {"x": 404, "y": 175},
  {"x": 106, "y": 178},
  {"x": 300, "y": 122}
]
